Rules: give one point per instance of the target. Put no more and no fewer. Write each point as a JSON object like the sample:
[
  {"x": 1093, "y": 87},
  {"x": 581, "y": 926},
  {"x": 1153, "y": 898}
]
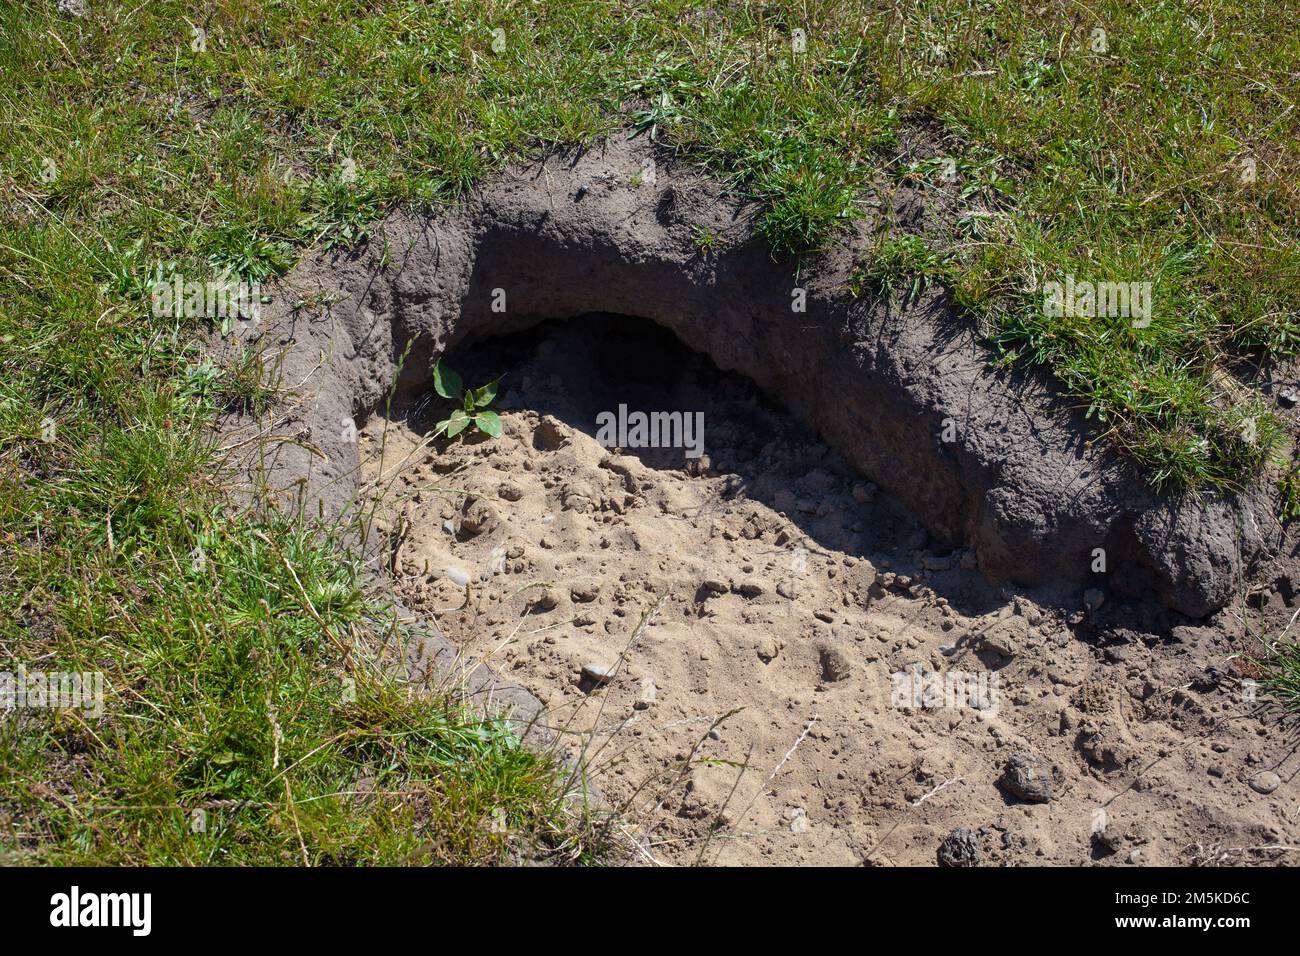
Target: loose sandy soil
[{"x": 753, "y": 718}]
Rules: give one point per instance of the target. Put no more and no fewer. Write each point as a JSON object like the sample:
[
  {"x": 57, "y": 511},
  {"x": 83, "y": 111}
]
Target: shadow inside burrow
[{"x": 593, "y": 371}]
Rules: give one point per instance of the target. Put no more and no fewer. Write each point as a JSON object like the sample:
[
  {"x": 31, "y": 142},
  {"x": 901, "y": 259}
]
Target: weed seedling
[
  {"x": 473, "y": 403},
  {"x": 706, "y": 240}
]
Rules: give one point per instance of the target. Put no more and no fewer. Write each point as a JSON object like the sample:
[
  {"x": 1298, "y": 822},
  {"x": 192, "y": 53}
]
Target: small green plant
[
  {"x": 900, "y": 262},
  {"x": 706, "y": 240},
  {"x": 473, "y": 403},
  {"x": 1280, "y": 675}
]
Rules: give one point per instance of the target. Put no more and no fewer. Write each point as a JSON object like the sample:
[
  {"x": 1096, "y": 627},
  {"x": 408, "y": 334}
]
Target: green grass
[
  {"x": 124, "y": 151},
  {"x": 1280, "y": 676},
  {"x": 243, "y": 723},
  {"x": 240, "y": 655},
  {"x": 900, "y": 262},
  {"x": 1121, "y": 162}
]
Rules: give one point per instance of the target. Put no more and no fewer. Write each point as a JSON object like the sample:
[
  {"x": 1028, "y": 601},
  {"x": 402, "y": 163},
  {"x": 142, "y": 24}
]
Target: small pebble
[
  {"x": 1265, "y": 782},
  {"x": 648, "y": 693}
]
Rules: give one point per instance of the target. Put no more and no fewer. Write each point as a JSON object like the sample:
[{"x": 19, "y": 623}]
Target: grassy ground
[{"x": 232, "y": 134}]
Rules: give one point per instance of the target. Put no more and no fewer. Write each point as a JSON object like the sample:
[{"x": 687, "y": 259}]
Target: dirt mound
[
  {"x": 876, "y": 527},
  {"x": 763, "y": 658},
  {"x": 990, "y": 462}
]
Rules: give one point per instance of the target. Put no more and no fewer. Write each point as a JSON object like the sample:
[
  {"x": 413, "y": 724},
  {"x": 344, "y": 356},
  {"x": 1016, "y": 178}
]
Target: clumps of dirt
[{"x": 761, "y": 657}]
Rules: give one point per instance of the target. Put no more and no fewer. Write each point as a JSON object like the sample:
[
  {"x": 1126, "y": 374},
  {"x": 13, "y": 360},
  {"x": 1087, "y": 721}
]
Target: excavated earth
[{"x": 721, "y": 640}]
